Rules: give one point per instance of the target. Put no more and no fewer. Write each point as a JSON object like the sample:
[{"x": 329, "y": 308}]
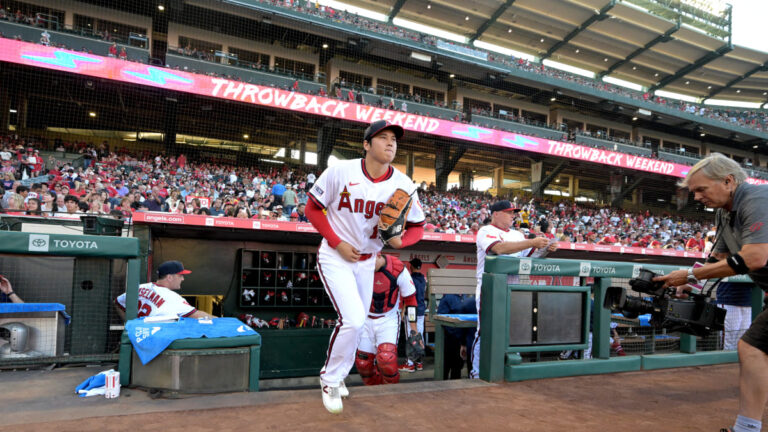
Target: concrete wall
[
  {"x": 335, "y": 65},
  {"x": 73, "y": 7},
  {"x": 463, "y": 92},
  {"x": 175, "y": 30}
]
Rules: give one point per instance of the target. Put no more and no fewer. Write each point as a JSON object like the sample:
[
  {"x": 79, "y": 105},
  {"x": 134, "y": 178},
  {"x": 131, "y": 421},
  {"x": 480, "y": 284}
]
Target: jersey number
[
  {"x": 145, "y": 309},
  {"x": 375, "y": 233}
]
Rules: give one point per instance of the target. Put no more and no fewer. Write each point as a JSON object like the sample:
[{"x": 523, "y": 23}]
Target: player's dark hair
[{"x": 416, "y": 263}]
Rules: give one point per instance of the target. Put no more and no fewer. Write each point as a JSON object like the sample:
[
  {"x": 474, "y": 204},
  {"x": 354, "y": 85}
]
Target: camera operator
[{"x": 741, "y": 248}]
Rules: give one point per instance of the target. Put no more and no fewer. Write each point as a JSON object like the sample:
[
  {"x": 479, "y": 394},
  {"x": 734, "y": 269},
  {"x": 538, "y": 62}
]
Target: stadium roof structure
[{"x": 659, "y": 44}]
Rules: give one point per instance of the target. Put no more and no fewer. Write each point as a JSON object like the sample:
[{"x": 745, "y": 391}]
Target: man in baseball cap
[
  {"x": 171, "y": 268},
  {"x": 498, "y": 238},
  {"x": 159, "y": 298},
  {"x": 503, "y": 206},
  {"x": 376, "y": 127}
]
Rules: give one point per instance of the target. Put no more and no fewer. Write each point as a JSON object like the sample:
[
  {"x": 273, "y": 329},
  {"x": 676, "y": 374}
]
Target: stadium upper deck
[
  {"x": 656, "y": 60},
  {"x": 247, "y": 23},
  {"x": 680, "y": 46}
]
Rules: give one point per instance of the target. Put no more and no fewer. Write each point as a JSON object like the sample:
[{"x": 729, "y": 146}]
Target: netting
[
  {"x": 82, "y": 326},
  {"x": 232, "y": 109},
  {"x": 136, "y": 114}
]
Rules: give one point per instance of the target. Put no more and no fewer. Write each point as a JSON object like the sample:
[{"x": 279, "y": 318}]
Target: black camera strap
[{"x": 710, "y": 285}]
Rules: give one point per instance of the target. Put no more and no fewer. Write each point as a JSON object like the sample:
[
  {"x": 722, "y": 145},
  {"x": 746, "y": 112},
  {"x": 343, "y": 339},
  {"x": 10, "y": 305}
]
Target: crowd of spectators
[
  {"x": 464, "y": 212},
  {"x": 118, "y": 182}
]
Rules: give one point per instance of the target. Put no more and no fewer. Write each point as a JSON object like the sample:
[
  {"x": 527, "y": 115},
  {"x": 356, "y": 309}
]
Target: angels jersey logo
[{"x": 368, "y": 208}]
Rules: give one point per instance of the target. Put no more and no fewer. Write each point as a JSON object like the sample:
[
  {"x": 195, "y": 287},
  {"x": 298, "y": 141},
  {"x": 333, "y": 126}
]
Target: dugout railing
[
  {"x": 68, "y": 284},
  {"x": 519, "y": 318}
]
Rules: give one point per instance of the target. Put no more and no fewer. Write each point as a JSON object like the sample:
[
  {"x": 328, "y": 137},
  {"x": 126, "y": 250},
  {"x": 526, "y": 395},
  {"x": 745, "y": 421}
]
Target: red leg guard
[
  {"x": 619, "y": 350},
  {"x": 386, "y": 362},
  {"x": 364, "y": 362}
]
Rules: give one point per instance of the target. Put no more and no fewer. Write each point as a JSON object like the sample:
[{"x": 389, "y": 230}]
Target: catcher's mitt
[
  {"x": 414, "y": 347},
  {"x": 393, "y": 215}
]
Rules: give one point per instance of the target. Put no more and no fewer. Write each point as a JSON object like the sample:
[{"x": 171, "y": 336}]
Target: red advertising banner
[
  {"x": 102, "y": 67},
  {"x": 270, "y": 225}
]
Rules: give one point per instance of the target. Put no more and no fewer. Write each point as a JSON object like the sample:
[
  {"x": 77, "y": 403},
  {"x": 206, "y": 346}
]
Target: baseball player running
[
  {"x": 497, "y": 238},
  {"x": 343, "y": 206},
  {"x": 159, "y": 298},
  {"x": 376, "y": 358}
]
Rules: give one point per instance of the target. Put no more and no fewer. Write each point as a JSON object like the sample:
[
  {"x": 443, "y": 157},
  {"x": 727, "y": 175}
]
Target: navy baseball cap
[
  {"x": 171, "y": 267},
  {"x": 505, "y": 206},
  {"x": 378, "y": 126}
]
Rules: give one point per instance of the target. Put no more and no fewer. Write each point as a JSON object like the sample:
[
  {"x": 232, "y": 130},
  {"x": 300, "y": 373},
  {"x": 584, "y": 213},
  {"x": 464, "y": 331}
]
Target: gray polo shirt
[{"x": 747, "y": 223}]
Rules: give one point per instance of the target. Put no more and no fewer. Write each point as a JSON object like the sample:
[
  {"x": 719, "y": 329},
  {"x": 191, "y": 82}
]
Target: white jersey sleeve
[
  {"x": 326, "y": 187},
  {"x": 405, "y": 283},
  {"x": 416, "y": 215},
  {"x": 487, "y": 237},
  {"x": 120, "y": 301}
]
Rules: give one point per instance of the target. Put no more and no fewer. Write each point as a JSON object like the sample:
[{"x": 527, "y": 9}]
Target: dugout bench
[
  {"x": 196, "y": 365},
  {"x": 193, "y": 365},
  {"x": 440, "y": 283}
]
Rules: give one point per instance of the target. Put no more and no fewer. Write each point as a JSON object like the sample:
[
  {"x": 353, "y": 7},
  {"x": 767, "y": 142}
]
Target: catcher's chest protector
[{"x": 385, "y": 289}]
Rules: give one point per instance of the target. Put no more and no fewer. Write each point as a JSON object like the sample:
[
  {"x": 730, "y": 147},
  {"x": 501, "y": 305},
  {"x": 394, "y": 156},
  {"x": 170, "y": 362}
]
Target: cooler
[{"x": 198, "y": 365}]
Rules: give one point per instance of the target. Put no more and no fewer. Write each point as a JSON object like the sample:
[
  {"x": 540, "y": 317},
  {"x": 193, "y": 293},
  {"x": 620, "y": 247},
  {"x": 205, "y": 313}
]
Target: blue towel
[
  {"x": 150, "y": 339},
  {"x": 462, "y": 317},
  {"x": 34, "y": 307},
  {"x": 645, "y": 320},
  {"x": 93, "y": 386}
]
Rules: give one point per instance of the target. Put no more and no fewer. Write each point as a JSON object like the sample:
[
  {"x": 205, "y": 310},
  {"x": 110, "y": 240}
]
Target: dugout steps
[
  {"x": 515, "y": 371},
  {"x": 666, "y": 361},
  {"x": 49, "y": 395}
]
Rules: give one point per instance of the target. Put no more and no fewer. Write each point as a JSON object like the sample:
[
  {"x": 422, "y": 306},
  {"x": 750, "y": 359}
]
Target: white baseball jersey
[
  {"x": 157, "y": 300},
  {"x": 487, "y": 237},
  {"x": 354, "y": 201}
]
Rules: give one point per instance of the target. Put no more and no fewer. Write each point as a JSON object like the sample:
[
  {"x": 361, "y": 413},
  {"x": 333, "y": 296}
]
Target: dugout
[
  {"x": 80, "y": 275},
  {"x": 225, "y": 257},
  {"x": 230, "y": 258}
]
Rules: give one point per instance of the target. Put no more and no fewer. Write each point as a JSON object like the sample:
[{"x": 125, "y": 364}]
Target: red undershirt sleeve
[
  {"x": 410, "y": 300},
  {"x": 412, "y": 235},
  {"x": 319, "y": 220}
]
